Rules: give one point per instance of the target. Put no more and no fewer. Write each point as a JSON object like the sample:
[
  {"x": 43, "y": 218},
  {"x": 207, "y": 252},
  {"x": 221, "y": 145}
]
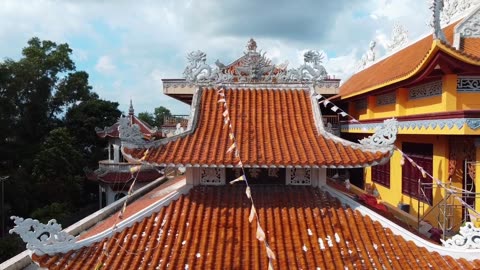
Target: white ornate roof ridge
[
  {"x": 50, "y": 239},
  {"x": 453, "y": 251},
  {"x": 255, "y": 67},
  {"x": 460, "y": 30},
  {"x": 401, "y": 48},
  {"x": 462, "y": 15}
]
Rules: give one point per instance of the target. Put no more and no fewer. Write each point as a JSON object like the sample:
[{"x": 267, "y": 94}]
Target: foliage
[
  {"x": 147, "y": 118},
  {"x": 83, "y": 118},
  {"x": 48, "y": 114},
  {"x": 160, "y": 113},
  {"x": 10, "y": 246},
  {"x": 58, "y": 211}
]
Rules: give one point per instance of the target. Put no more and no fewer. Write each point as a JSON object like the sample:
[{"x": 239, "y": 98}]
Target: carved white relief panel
[
  {"x": 299, "y": 176},
  {"x": 212, "y": 176}
]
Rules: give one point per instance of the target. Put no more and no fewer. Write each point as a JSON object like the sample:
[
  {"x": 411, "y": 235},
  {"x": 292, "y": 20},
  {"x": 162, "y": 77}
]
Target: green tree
[
  {"x": 48, "y": 113},
  {"x": 160, "y": 113},
  {"x": 147, "y": 118},
  {"x": 82, "y": 119},
  {"x": 34, "y": 91},
  {"x": 56, "y": 168}
]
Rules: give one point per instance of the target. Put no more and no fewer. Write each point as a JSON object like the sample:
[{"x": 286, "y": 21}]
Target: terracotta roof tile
[
  {"x": 471, "y": 46},
  {"x": 209, "y": 229},
  {"x": 394, "y": 66},
  {"x": 272, "y": 127}
]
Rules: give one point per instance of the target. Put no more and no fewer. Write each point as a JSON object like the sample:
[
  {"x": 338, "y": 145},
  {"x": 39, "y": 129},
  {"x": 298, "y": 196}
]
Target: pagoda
[{"x": 114, "y": 175}]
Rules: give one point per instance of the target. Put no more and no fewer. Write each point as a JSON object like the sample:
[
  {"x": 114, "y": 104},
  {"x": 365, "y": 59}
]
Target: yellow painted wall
[
  {"x": 424, "y": 105},
  {"x": 447, "y": 101},
  {"x": 468, "y": 101},
  {"x": 393, "y": 195}
]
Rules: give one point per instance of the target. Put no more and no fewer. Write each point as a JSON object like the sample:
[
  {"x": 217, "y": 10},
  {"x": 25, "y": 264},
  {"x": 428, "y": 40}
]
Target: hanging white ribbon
[
  {"x": 343, "y": 114},
  {"x": 260, "y": 232},
  {"x": 334, "y": 108},
  {"x": 230, "y": 149},
  {"x": 252, "y": 214},
  {"x": 238, "y": 179}
]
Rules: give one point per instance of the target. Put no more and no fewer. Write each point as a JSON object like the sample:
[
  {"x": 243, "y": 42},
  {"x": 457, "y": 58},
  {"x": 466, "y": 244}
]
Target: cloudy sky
[{"x": 127, "y": 47}]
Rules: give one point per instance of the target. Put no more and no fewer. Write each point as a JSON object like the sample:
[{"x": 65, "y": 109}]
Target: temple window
[
  {"x": 381, "y": 174},
  {"x": 421, "y": 154}
]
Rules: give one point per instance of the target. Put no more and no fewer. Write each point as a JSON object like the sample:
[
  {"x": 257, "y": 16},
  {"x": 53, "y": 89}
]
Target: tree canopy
[
  {"x": 48, "y": 114},
  {"x": 157, "y": 118}
]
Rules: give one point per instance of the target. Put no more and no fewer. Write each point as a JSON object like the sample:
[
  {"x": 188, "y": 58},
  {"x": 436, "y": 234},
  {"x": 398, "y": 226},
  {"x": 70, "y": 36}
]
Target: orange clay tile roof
[
  {"x": 397, "y": 65},
  {"x": 471, "y": 46},
  {"x": 272, "y": 127},
  {"x": 209, "y": 229}
]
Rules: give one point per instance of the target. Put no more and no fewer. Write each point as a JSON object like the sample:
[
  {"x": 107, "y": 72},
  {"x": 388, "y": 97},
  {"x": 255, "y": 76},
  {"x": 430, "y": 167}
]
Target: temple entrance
[{"x": 258, "y": 176}]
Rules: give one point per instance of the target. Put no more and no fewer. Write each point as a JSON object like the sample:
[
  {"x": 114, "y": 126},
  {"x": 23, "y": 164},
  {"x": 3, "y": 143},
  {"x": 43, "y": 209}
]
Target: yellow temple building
[{"x": 432, "y": 87}]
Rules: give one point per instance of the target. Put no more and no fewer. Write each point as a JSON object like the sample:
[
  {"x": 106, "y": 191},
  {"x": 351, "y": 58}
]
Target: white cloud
[
  {"x": 138, "y": 44},
  {"x": 105, "y": 65}
]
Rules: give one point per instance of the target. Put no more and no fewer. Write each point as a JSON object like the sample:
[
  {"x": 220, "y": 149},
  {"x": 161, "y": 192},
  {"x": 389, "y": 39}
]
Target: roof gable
[{"x": 273, "y": 127}]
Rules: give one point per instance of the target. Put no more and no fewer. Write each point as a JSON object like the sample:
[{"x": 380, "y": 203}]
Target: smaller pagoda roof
[
  {"x": 148, "y": 131},
  {"x": 273, "y": 126}
]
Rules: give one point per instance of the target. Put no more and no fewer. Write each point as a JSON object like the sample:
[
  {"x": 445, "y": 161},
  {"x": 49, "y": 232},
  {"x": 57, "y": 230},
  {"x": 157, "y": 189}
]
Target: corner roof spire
[
  {"x": 252, "y": 45},
  {"x": 130, "y": 109}
]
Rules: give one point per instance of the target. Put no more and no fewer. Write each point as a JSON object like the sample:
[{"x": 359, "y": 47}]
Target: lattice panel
[
  {"x": 361, "y": 104},
  {"x": 386, "y": 99},
  {"x": 301, "y": 177},
  {"x": 212, "y": 176},
  {"x": 426, "y": 90},
  {"x": 468, "y": 84}
]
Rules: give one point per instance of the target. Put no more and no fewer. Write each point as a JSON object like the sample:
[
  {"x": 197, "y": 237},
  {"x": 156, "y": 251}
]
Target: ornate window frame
[
  {"x": 212, "y": 176},
  {"x": 422, "y": 154},
  {"x": 386, "y": 99},
  {"x": 299, "y": 176},
  {"x": 468, "y": 84},
  {"x": 381, "y": 174},
  {"x": 361, "y": 104},
  {"x": 426, "y": 90}
]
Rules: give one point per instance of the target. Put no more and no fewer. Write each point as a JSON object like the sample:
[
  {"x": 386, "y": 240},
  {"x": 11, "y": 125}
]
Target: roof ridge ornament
[
  {"x": 252, "y": 45},
  {"x": 383, "y": 136},
  {"x": 437, "y": 8},
  {"x": 130, "y": 133},
  {"x": 368, "y": 57},
  {"x": 43, "y": 238},
  {"x": 467, "y": 238},
  {"x": 253, "y": 67},
  {"x": 455, "y": 8},
  {"x": 399, "y": 37}
]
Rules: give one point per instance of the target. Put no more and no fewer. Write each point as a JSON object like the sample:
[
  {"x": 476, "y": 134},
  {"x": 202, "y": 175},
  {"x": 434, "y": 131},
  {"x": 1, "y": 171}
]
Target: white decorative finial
[
  {"x": 130, "y": 110},
  {"x": 455, "y": 8},
  {"x": 129, "y": 132},
  {"x": 467, "y": 238},
  {"x": 252, "y": 45},
  {"x": 399, "y": 37},
  {"x": 437, "y": 7},
  {"x": 384, "y": 136},
  {"x": 43, "y": 238},
  {"x": 368, "y": 57}
]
